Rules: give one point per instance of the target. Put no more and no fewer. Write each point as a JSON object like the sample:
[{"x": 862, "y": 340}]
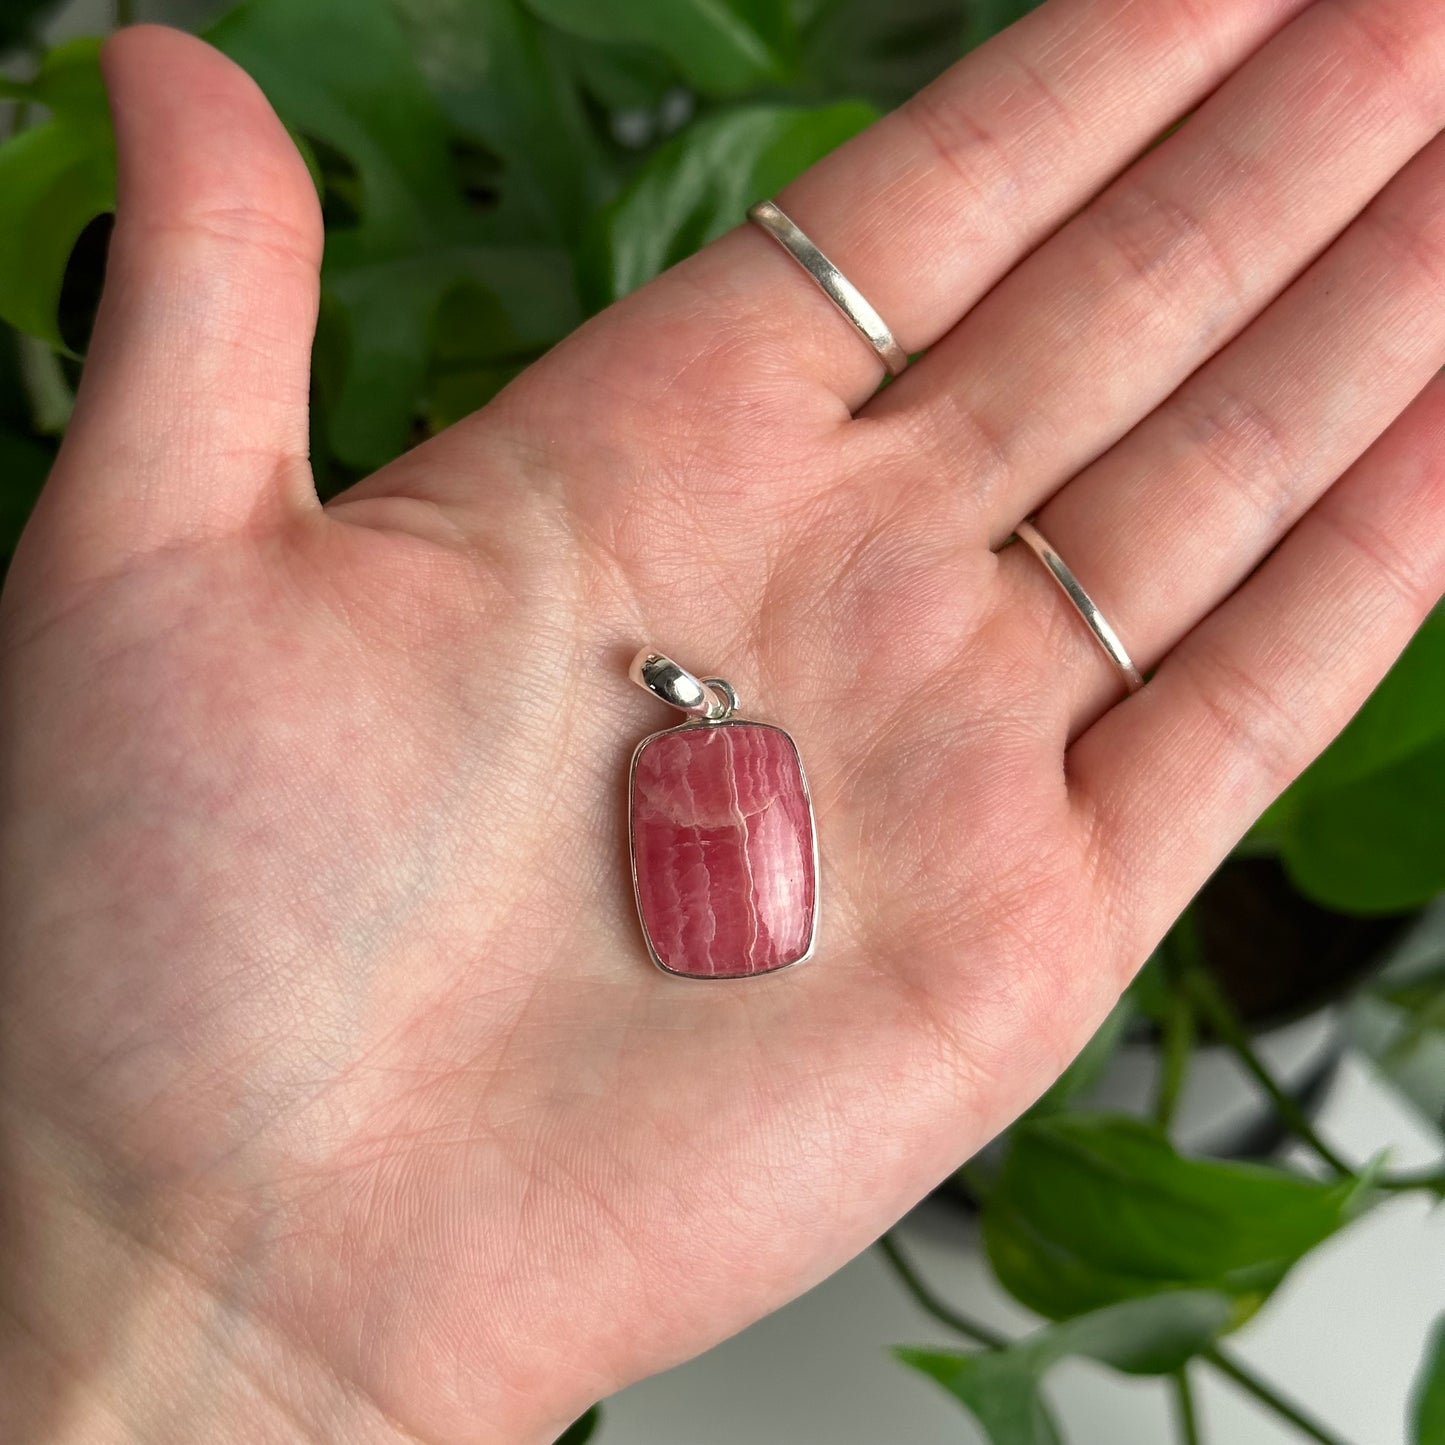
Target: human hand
[{"x": 339, "y": 1095}]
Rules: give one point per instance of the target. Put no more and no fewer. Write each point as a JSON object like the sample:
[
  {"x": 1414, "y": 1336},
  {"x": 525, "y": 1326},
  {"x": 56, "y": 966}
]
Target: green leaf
[
  {"x": 1091, "y": 1209},
  {"x": 999, "y": 1390},
  {"x": 1428, "y": 1405},
  {"x": 502, "y": 80},
  {"x": 880, "y": 53},
  {"x": 1151, "y": 991},
  {"x": 1155, "y": 1335},
  {"x": 1361, "y": 829},
  {"x": 700, "y": 183},
  {"x": 388, "y": 315},
  {"x": 1404, "y": 714},
  {"x": 20, "y": 21},
  {"x": 55, "y": 178},
  {"x": 383, "y": 279},
  {"x": 1002, "y": 1388},
  {"x": 721, "y": 46},
  {"x": 24, "y": 464},
  {"x": 582, "y": 1429},
  {"x": 41, "y": 387},
  {"x": 476, "y": 352},
  {"x": 1376, "y": 845},
  {"x": 1091, "y": 1061},
  {"x": 25, "y": 458},
  {"x": 618, "y": 77},
  {"x": 987, "y": 17}
]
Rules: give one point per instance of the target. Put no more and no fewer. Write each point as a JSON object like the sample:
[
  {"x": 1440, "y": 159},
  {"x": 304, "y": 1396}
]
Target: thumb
[{"x": 192, "y": 414}]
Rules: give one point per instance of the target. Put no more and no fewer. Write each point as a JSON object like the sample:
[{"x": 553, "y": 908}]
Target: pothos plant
[{"x": 491, "y": 171}]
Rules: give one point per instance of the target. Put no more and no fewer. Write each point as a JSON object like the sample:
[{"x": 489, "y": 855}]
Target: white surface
[
  {"x": 1220, "y": 1102},
  {"x": 1344, "y": 1336}
]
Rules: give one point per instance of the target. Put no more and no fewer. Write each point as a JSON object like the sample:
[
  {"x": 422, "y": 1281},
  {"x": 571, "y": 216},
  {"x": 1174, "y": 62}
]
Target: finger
[
  {"x": 1179, "y": 513},
  {"x": 928, "y": 208},
  {"x": 1111, "y": 315},
  {"x": 192, "y": 414},
  {"x": 1250, "y": 698}
]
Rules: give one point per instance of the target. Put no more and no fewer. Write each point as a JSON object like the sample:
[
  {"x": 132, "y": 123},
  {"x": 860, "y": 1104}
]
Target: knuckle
[
  {"x": 1394, "y": 51},
  {"x": 1249, "y": 720},
  {"x": 962, "y": 143},
  {"x": 1239, "y": 441},
  {"x": 1412, "y": 241},
  {"x": 1034, "y": 92},
  {"x": 247, "y": 229},
  {"x": 1160, "y": 248},
  {"x": 1385, "y": 557},
  {"x": 958, "y": 135}
]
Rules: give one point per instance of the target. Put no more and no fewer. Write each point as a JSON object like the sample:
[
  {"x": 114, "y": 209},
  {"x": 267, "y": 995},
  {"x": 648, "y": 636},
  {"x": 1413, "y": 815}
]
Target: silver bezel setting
[{"x": 691, "y": 726}]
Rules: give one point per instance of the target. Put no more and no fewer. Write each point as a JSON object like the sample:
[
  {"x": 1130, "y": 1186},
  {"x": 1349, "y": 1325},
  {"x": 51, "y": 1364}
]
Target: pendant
[{"x": 720, "y": 829}]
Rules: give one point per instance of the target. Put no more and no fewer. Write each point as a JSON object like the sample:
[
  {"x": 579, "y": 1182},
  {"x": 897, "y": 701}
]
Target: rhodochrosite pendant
[{"x": 720, "y": 826}]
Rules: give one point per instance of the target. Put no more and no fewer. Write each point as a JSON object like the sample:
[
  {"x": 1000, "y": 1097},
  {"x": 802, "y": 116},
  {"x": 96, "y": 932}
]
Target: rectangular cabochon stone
[{"x": 722, "y": 849}]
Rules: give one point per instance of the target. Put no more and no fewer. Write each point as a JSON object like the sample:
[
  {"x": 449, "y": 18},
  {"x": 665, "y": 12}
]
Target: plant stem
[
  {"x": 20, "y": 110},
  {"x": 124, "y": 13},
  {"x": 1184, "y": 1408},
  {"x": 980, "y": 1334},
  {"x": 1215, "y": 1010},
  {"x": 49, "y": 394},
  {"x": 1432, "y": 1179},
  {"x": 1178, "y": 1030},
  {"x": 1269, "y": 1397},
  {"x": 1198, "y": 986}
]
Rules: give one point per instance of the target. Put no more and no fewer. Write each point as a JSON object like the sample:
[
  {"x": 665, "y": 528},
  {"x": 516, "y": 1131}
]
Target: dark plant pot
[
  {"x": 1288, "y": 967},
  {"x": 1278, "y": 955}
]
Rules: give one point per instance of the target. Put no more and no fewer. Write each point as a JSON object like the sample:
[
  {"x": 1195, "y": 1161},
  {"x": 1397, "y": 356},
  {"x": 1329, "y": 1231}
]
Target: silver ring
[
  {"x": 835, "y": 285},
  {"x": 1084, "y": 605}
]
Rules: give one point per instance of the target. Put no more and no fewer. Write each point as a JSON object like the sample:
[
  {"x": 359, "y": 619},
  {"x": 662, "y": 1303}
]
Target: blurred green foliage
[
  {"x": 1428, "y": 1422},
  {"x": 1088, "y": 1210},
  {"x": 1144, "y": 1336},
  {"x": 492, "y": 171}
]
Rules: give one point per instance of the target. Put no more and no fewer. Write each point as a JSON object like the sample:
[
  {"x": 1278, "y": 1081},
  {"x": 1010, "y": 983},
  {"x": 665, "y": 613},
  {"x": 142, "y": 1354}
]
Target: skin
[{"x": 339, "y": 1099}]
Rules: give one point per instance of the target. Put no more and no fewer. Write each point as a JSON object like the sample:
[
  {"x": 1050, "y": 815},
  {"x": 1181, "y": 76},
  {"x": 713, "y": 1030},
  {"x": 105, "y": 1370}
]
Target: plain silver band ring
[
  {"x": 1069, "y": 585},
  {"x": 835, "y": 285}
]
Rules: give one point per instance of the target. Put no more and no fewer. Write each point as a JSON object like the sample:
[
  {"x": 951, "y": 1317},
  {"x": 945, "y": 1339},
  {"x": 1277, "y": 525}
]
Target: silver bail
[{"x": 710, "y": 698}]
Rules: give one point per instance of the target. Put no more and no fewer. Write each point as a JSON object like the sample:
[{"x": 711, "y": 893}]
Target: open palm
[{"x": 336, "y": 1076}]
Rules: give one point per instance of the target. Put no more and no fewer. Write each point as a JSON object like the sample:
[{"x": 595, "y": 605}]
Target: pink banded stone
[{"x": 722, "y": 849}]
